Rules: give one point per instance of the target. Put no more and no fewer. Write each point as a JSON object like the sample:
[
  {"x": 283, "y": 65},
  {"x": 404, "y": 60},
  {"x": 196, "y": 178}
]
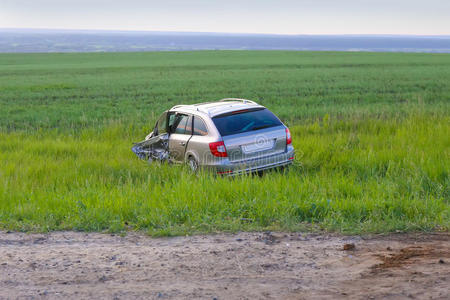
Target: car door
[
  {"x": 180, "y": 133},
  {"x": 160, "y": 133},
  {"x": 155, "y": 145}
]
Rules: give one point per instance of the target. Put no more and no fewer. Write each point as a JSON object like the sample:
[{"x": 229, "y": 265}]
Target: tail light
[
  {"x": 288, "y": 137},
  {"x": 218, "y": 149},
  {"x": 225, "y": 172}
]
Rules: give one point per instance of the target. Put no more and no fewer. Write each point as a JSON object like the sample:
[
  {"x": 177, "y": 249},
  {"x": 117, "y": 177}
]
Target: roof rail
[
  {"x": 238, "y": 99},
  {"x": 177, "y": 106},
  {"x": 189, "y": 107}
]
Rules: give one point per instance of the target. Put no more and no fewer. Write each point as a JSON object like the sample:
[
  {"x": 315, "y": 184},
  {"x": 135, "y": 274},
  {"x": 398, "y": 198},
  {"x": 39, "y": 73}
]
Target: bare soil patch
[{"x": 224, "y": 266}]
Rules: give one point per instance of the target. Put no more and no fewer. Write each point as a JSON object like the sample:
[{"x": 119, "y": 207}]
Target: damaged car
[{"x": 230, "y": 136}]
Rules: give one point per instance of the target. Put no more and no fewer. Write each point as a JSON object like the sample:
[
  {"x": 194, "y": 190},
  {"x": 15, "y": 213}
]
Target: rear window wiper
[{"x": 262, "y": 127}]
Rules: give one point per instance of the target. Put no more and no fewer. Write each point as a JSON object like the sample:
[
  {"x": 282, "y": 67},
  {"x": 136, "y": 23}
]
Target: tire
[{"x": 193, "y": 164}]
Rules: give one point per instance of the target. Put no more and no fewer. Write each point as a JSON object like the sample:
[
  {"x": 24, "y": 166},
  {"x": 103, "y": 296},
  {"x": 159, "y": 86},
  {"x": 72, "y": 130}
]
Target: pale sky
[{"x": 419, "y": 17}]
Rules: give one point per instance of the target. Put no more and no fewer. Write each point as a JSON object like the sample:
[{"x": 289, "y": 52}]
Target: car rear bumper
[{"x": 226, "y": 167}]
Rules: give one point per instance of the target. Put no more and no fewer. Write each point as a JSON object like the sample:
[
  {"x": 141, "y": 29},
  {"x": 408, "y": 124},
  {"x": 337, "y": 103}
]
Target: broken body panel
[{"x": 153, "y": 148}]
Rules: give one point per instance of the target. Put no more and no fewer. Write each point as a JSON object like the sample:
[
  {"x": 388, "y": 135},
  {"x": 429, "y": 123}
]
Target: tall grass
[
  {"x": 350, "y": 175},
  {"x": 371, "y": 132}
]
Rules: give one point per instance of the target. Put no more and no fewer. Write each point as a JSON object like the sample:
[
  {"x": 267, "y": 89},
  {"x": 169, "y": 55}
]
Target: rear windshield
[{"x": 245, "y": 121}]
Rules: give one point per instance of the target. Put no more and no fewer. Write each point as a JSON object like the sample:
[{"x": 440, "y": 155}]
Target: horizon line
[{"x": 224, "y": 33}]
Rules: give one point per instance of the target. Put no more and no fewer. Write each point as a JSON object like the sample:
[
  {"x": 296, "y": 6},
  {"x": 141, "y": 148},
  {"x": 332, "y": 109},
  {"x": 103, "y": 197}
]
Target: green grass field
[{"x": 371, "y": 130}]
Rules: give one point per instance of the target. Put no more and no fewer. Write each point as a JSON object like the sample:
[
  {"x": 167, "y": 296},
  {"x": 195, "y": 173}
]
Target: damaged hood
[{"x": 153, "y": 148}]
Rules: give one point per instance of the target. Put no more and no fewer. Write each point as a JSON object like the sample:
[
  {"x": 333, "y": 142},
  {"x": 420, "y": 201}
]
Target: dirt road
[{"x": 240, "y": 266}]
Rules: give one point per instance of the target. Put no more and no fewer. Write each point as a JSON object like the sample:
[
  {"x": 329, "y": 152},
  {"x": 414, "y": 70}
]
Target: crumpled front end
[{"x": 155, "y": 148}]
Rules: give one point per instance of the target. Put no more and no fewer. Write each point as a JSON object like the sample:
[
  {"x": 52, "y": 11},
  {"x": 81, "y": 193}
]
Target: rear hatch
[{"x": 251, "y": 134}]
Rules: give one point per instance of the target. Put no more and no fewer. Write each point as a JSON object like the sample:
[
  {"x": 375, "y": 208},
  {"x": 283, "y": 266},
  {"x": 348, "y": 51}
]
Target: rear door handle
[{"x": 182, "y": 143}]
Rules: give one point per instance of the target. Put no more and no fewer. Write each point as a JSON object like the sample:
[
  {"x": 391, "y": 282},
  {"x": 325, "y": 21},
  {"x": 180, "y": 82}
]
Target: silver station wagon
[{"x": 230, "y": 136}]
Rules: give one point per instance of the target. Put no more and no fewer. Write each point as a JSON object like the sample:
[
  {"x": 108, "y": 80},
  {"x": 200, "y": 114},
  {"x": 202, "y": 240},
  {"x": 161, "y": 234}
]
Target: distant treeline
[{"x": 15, "y": 40}]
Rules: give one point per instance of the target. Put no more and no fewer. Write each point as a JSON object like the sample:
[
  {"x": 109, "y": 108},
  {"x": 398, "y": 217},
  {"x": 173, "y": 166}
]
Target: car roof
[{"x": 218, "y": 107}]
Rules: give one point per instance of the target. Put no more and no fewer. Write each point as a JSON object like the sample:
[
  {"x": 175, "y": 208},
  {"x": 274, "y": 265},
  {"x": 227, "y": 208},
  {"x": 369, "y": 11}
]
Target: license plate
[{"x": 258, "y": 146}]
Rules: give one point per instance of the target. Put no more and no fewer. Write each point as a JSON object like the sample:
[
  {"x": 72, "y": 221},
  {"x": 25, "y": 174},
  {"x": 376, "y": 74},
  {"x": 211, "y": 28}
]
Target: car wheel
[{"x": 193, "y": 164}]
